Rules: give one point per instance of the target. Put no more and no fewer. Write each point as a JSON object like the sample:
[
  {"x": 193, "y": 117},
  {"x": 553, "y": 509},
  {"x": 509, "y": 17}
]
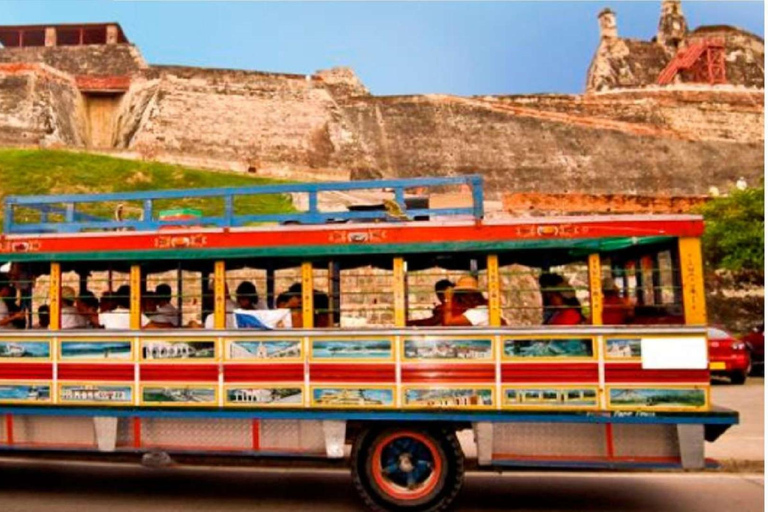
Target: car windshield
[{"x": 717, "y": 334}]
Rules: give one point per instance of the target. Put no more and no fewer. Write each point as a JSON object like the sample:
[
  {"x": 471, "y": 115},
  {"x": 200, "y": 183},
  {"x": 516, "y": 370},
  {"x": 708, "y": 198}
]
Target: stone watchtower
[
  {"x": 607, "y": 21},
  {"x": 672, "y": 26}
]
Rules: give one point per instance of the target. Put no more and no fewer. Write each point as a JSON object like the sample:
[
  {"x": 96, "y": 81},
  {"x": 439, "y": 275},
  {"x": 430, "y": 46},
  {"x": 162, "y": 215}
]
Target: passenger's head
[
  {"x": 87, "y": 302},
  {"x": 68, "y": 295},
  {"x": 44, "y": 316},
  {"x": 246, "y": 295},
  {"x": 288, "y": 300},
  {"x": 107, "y": 302},
  {"x": 440, "y": 288},
  {"x": 148, "y": 302},
  {"x": 123, "y": 297},
  {"x": 467, "y": 292},
  {"x": 163, "y": 294}
]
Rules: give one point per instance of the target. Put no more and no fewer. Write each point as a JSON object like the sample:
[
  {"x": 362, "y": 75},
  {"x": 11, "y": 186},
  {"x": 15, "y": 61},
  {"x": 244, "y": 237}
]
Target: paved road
[
  {"x": 63, "y": 487},
  {"x": 745, "y": 441}
]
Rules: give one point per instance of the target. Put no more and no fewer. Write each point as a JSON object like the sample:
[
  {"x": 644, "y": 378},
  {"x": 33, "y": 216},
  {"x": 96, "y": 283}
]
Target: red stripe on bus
[
  {"x": 554, "y": 372},
  {"x": 352, "y": 373},
  {"x": 178, "y": 372},
  {"x": 264, "y": 372},
  {"x": 534, "y": 230},
  {"x": 109, "y": 372},
  {"x": 20, "y": 371},
  {"x": 449, "y": 373},
  {"x": 633, "y": 372}
]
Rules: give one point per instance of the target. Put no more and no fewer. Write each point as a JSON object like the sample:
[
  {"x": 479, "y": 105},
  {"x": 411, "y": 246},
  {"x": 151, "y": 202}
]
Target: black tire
[
  {"x": 739, "y": 377},
  {"x": 435, "y": 493}
]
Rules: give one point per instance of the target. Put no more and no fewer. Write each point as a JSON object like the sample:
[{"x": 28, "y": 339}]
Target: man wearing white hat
[{"x": 70, "y": 316}]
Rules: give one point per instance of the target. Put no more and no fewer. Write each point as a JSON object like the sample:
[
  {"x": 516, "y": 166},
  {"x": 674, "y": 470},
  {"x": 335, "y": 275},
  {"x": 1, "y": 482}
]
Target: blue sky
[{"x": 461, "y": 48}]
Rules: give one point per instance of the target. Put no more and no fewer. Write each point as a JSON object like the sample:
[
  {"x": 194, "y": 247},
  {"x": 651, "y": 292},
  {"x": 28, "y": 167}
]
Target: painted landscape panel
[
  {"x": 428, "y": 347},
  {"x": 96, "y": 393},
  {"x": 179, "y": 395},
  {"x": 352, "y": 397},
  {"x": 177, "y": 349},
  {"x": 550, "y": 397},
  {"x": 621, "y": 348},
  {"x": 449, "y": 397},
  {"x": 264, "y": 396},
  {"x": 657, "y": 397},
  {"x": 264, "y": 349},
  {"x": 118, "y": 350},
  {"x": 561, "y": 348},
  {"x": 352, "y": 349},
  {"x": 25, "y": 393},
  {"x": 25, "y": 349}
]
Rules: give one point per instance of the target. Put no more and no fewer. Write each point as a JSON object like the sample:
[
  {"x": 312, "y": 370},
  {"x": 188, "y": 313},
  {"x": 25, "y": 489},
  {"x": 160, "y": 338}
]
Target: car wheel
[
  {"x": 408, "y": 469},
  {"x": 740, "y": 377}
]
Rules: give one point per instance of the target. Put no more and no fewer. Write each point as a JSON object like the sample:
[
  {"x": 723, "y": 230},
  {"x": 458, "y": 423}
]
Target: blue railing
[{"x": 73, "y": 221}]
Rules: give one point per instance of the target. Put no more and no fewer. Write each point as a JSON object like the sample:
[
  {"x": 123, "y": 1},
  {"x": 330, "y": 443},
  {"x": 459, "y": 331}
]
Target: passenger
[
  {"x": 165, "y": 313},
  {"x": 16, "y": 314},
  {"x": 43, "y": 317},
  {"x": 567, "y": 307},
  {"x": 465, "y": 304},
  {"x": 321, "y": 302},
  {"x": 87, "y": 306},
  {"x": 549, "y": 283},
  {"x": 246, "y": 295},
  {"x": 70, "y": 316},
  {"x": 107, "y": 302},
  {"x": 616, "y": 310},
  {"x": 120, "y": 317},
  {"x": 437, "y": 312},
  {"x": 292, "y": 301},
  {"x": 8, "y": 316}
]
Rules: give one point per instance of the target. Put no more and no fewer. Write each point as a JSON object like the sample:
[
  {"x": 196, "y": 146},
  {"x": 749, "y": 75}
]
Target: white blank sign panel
[{"x": 674, "y": 353}]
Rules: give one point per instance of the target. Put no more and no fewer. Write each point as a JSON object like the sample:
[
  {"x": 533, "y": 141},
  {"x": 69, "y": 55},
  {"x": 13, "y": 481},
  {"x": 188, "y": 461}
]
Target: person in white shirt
[
  {"x": 467, "y": 297},
  {"x": 120, "y": 317},
  {"x": 70, "y": 316},
  {"x": 165, "y": 313},
  {"x": 6, "y": 317}
]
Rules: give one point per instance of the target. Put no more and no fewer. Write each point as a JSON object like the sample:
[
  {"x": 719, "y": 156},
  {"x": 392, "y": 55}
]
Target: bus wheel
[{"x": 415, "y": 470}]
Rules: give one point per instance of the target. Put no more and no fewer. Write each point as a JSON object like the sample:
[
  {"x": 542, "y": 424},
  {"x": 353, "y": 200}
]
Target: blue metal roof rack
[{"x": 74, "y": 221}]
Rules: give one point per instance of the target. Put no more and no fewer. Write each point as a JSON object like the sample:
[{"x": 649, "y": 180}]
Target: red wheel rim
[{"x": 414, "y": 450}]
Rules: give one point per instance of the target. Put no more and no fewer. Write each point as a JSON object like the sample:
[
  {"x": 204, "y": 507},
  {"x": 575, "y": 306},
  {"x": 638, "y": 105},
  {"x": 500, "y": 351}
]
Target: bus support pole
[
  {"x": 55, "y": 297},
  {"x": 307, "y": 296},
  {"x": 219, "y": 300},
  {"x": 494, "y": 290},
  {"x": 135, "y": 297},
  {"x": 398, "y": 268},
  {"x": 595, "y": 289},
  {"x": 692, "y": 280}
]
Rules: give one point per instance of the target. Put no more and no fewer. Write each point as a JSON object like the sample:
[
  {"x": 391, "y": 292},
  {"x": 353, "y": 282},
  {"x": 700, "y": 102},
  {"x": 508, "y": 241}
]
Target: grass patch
[{"x": 46, "y": 172}]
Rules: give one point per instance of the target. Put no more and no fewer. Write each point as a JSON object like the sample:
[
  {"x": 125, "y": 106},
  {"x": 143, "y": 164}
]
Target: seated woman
[{"x": 566, "y": 307}]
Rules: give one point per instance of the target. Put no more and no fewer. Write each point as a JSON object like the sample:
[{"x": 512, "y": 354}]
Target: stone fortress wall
[{"x": 679, "y": 139}]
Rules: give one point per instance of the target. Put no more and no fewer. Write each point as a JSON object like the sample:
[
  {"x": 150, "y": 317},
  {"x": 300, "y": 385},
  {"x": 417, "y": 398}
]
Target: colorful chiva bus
[{"x": 561, "y": 342}]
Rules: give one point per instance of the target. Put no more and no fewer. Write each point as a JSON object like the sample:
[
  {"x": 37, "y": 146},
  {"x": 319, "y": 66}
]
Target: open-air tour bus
[{"x": 560, "y": 342}]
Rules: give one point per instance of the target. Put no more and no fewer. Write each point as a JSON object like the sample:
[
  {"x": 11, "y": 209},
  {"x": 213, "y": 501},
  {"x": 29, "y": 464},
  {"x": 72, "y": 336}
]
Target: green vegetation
[
  {"x": 734, "y": 238},
  {"x": 44, "y": 172}
]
